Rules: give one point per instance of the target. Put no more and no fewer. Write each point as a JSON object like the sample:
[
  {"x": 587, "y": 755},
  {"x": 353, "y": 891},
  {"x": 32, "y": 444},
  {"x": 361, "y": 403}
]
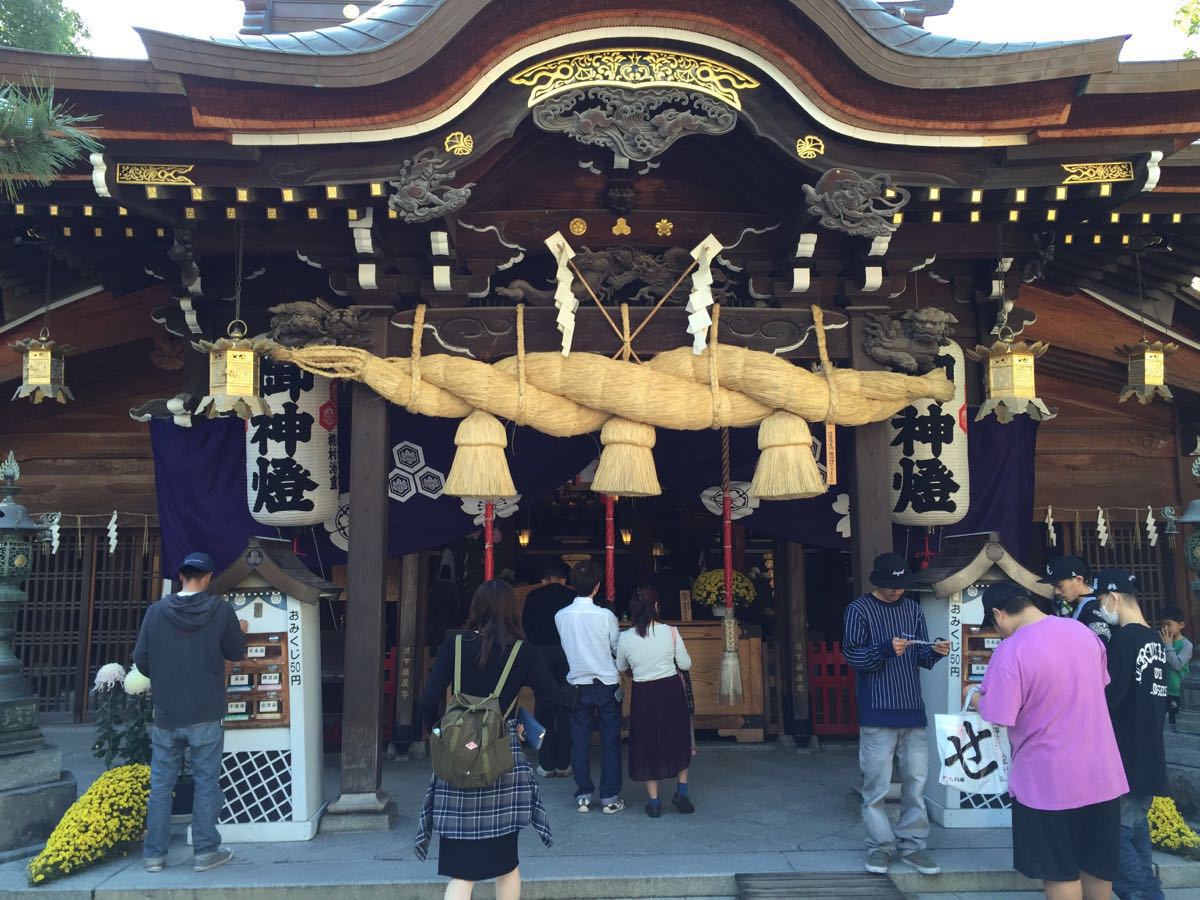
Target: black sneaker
[
  {"x": 654, "y": 810},
  {"x": 683, "y": 804},
  {"x": 583, "y": 804}
]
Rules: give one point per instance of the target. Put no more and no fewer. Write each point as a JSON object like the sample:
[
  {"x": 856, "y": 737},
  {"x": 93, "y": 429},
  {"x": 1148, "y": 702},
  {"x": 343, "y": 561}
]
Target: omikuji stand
[{"x": 271, "y": 769}]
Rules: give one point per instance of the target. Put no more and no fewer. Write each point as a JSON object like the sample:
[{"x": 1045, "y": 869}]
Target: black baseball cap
[
  {"x": 1118, "y": 580},
  {"x": 999, "y": 594},
  {"x": 1063, "y": 567},
  {"x": 201, "y": 562}
]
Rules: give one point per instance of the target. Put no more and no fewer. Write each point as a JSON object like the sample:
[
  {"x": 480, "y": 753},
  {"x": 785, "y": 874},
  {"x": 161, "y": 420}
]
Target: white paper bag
[{"x": 975, "y": 756}]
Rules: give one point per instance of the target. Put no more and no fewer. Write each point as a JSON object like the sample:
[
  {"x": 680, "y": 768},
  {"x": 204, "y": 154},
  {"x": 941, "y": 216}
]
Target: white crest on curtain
[{"x": 740, "y": 502}]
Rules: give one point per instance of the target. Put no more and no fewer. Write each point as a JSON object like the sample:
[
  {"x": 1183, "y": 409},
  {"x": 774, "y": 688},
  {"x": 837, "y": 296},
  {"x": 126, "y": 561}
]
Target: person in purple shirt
[{"x": 1045, "y": 683}]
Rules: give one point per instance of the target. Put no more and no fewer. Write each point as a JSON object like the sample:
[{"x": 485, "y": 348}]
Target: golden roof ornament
[
  {"x": 233, "y": 374},
  {"x": 1011, "y": 381},
  {"x": 1146, "y": 362},
  {"x": 43, "y": 370}
]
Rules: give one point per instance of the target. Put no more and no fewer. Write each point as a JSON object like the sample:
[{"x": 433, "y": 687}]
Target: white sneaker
[
  {"x": 614, "y": 807},
  {"x": 546, "y": 773},
  {"x": 583, "y": 804}
]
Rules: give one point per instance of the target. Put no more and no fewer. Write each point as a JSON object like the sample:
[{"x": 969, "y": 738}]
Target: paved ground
[{"x": 759, "y": 809}]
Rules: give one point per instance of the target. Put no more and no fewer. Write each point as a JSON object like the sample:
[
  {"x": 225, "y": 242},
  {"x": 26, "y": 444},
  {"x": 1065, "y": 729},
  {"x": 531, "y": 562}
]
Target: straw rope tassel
[{"x": 729, "y": 688}]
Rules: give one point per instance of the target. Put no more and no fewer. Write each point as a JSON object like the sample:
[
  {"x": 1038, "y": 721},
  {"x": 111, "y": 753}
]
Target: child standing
[{"x": 1179, "y": 656}]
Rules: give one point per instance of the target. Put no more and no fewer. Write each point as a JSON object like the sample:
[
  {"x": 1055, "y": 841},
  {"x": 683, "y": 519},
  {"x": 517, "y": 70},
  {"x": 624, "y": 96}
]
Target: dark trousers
[
  {"x": 1172, "y": 709},
  {"x": 597, "y": 701},
  {"x": 555, "y": 754}
]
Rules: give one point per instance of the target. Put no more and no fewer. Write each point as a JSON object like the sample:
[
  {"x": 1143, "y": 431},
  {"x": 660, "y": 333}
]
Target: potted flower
[
  {"x": 708, "y": 591},
  {"x": 123, "y": 713}
]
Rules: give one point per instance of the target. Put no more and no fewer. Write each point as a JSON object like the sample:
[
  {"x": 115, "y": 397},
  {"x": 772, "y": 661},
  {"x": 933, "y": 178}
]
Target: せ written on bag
[{"x": 975, "y": 755}]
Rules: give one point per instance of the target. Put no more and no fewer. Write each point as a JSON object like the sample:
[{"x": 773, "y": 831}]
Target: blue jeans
[
  {"x": 597, "y": 700},
  {"x": 1136, "y": 880},
  {"x": 206, "y": 742}
]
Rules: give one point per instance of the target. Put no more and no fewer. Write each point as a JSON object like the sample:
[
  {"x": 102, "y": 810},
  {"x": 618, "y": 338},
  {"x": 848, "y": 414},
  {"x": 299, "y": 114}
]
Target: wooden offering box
[{"x": 705, "y": 642}]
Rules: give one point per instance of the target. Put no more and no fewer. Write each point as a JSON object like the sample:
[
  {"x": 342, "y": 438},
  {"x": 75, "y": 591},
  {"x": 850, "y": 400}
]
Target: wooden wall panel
[
  {"x": 1099, "y": 452},
  {"x": 89, "y": 457}
]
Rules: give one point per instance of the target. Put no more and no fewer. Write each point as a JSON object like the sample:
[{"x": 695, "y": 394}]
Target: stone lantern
[{"x": 34, "y": 791}]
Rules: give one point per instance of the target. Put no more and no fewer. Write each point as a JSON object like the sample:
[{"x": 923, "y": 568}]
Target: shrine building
[{"x": 881, "y": 287}]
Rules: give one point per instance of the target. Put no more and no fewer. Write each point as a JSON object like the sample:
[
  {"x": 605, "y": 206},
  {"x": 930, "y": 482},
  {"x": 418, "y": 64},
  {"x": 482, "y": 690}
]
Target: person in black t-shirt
[
  {"x": 1137, "y": 700},
  {"x": 542, "y": 604},
  {"x": 1071, "y": 577}
]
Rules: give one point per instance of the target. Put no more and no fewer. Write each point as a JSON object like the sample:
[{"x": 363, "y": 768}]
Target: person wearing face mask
[
  {"x": 1071, "y": 577},
  {"x": 1045, "y": 683},
  {"x": 1137, "y": 699}
]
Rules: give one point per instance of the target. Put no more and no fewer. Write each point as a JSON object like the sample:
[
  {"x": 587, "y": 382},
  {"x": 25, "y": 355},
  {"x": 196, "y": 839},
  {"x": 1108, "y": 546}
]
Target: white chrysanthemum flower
[
  {"x": 110, "y": 676},
  {"x": 135, "y": 682}
]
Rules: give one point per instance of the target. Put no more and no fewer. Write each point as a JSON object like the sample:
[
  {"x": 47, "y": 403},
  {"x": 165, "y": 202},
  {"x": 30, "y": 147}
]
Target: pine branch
[{"x": 38, "y": 137}]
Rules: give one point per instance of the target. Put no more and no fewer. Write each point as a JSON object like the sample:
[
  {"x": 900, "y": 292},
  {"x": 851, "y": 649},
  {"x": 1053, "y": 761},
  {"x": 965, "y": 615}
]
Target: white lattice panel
[{"x": 258, "y": 786}]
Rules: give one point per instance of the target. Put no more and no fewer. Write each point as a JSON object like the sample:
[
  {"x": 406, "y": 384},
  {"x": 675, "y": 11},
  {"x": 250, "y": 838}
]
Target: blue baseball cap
[{"x": 201, "y": 562}]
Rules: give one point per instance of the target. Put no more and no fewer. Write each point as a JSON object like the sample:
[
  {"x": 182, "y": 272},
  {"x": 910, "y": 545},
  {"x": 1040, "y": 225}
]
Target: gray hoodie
[{"x": 182, "y": 648}]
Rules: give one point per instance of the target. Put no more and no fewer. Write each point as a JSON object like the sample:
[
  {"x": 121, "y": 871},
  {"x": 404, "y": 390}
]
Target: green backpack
[{"x": 470, "y": 746}]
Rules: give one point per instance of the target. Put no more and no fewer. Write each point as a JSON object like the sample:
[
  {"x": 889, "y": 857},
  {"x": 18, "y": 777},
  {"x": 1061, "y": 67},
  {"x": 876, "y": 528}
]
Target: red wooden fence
[{"x": 831, "y": 687}]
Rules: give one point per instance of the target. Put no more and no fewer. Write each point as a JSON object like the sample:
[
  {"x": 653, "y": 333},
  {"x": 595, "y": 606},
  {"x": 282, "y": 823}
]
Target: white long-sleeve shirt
[
  {"x": 589, "y": 638},
  {"x": 654, "y": 656}
]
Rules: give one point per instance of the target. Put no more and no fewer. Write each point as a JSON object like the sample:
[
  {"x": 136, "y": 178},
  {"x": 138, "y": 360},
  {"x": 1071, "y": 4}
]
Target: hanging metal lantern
[
  {"x": 233, "y": 374},
  {"x": 1147, "y": 366},
  {"x": 1011, "y": 381},
  {"x": 43, "y": 371}
]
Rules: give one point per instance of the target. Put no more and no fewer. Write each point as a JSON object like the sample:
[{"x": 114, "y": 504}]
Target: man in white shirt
[{"x": 589, "y": 638}]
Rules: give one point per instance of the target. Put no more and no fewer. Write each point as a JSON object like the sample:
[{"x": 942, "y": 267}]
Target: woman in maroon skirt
[{"x": 660, "y": 725}]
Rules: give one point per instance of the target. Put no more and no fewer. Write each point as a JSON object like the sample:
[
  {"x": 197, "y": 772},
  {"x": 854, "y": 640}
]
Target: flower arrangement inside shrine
[
  {"x": 104, "y": 822},
  {"x": 709, "y": 589}
]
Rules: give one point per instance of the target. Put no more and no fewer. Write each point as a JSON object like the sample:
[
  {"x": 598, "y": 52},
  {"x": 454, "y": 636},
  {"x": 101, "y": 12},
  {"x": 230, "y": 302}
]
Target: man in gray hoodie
[{"x": 182, "y": 647}]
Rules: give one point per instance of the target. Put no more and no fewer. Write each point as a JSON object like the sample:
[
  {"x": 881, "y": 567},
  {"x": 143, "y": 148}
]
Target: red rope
[
  {"x": 489, "y": 561},
  {"x": 610, "y": 579},
  {"x": 726, "y": 520}
]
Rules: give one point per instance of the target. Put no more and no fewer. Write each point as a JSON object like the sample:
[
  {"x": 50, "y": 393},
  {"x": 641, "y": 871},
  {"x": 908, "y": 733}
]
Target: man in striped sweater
[{"x": 886, "y": 641}]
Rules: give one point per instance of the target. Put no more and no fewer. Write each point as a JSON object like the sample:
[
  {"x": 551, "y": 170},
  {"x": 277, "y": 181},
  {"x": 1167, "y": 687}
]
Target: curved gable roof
[{"x": 395, "y": 37}]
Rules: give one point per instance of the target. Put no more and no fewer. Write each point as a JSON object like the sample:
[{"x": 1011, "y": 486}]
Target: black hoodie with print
[{"x": 182, "y": 648}]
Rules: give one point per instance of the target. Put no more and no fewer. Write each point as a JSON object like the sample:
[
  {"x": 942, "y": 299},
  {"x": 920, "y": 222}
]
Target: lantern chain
[
  {"x": 46, "y": 299},
  {"x": 239, "y": 250}
]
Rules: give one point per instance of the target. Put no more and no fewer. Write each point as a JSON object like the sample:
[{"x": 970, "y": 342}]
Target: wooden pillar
[
  {"x": 794, "y": 656},
  {"x": 362, "y": 805},
  {"x": 409, "y": 641},
  {"x": 870, "y": 500}
]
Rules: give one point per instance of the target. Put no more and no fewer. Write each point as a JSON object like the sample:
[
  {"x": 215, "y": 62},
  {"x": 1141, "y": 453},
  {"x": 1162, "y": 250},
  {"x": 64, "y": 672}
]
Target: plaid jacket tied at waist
[{"x": 475, "y": 814}]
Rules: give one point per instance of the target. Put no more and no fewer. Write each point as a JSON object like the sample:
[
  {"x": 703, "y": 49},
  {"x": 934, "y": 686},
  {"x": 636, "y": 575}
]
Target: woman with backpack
[
  {"x": 660, "y": 722},
  {"x": 482, "y": 792}
]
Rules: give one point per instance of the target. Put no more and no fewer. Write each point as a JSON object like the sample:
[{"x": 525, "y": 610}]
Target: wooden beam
[
  {"x": 794, "y": 654},
  {"x": 870, "y": 501},
  {"x": 365, "y": 614},
  {"x": 409, "y": 641},
  {"x": 490, "y": 333}
]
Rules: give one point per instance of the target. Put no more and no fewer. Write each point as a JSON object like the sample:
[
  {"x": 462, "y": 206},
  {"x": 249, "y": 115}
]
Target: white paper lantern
[
  {"x": 930, "y": 481},
  {"x": 292, "y": 454}
]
